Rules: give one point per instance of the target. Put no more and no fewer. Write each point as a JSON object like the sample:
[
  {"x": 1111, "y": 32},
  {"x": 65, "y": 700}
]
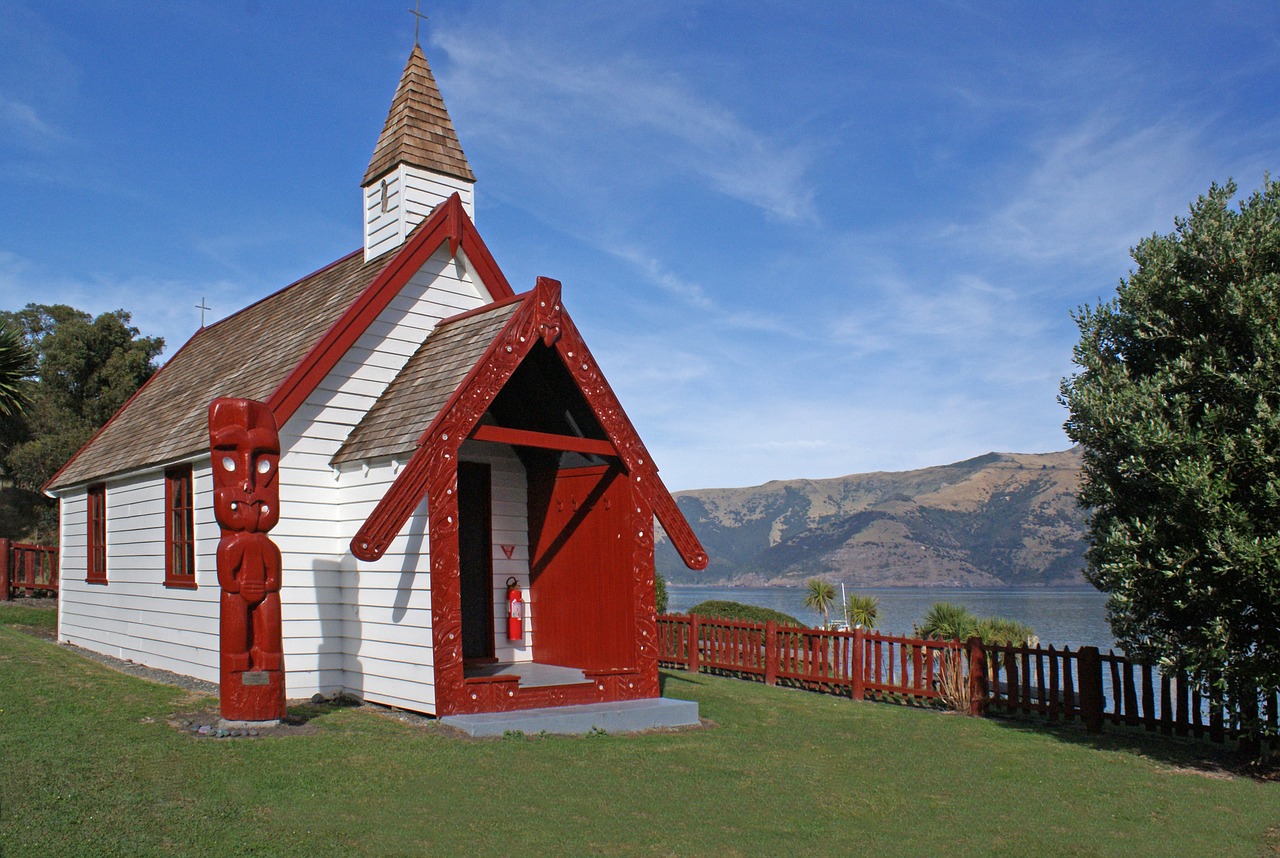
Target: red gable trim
[
  {"x": 448, "y": 222},
  {"x": 540, "y": 317}
]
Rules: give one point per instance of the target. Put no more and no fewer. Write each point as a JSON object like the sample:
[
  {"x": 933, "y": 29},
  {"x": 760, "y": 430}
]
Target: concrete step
[{"x": 627, "y": 716}]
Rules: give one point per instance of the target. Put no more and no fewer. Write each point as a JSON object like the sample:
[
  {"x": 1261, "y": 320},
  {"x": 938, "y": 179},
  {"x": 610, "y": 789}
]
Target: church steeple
[{"x": 417, "y": 163}]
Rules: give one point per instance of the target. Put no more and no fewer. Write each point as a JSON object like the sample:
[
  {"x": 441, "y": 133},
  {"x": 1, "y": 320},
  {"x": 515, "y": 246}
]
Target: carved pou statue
[{"x": 245, "y": 445}]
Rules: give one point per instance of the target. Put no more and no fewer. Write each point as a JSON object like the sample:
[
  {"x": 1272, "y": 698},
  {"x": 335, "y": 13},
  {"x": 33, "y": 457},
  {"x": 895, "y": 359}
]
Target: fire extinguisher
[{"x": 515, "y": 611}]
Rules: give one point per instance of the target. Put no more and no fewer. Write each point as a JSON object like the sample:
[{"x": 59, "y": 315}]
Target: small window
[
  {"x": 179, "y": 529},
  {"x": 97, "y": 560}
]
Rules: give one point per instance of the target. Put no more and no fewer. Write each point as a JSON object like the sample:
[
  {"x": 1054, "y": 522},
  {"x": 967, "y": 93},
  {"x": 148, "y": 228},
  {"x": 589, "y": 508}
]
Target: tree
[
  {"x": 861, "y": 610},
  {"x": 948, "y": 621},
  {"x": 820, "y": 597},
  {"x": 660, "y": 592},
  {"x": 1177, "y": 407},
  {"x": 17, "y": 365},
  {"x": 85, "y": 369}
]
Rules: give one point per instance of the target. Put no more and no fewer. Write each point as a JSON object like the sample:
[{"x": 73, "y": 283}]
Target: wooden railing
[
  {"x": 857, "y": 663},
  {"x": 28, "y": 568},
  {"x": 1047, "y": 682}
]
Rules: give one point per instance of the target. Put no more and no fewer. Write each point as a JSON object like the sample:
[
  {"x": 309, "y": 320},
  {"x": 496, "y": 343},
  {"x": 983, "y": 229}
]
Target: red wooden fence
[
  {"x": 29, "y": 568},
  {"x": 1056, "y": 684}
]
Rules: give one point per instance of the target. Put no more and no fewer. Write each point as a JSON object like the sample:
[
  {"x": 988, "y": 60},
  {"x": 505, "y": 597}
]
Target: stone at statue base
[
  {"x": 224, "y": 724},
  {"x": 252, "y": 695}
]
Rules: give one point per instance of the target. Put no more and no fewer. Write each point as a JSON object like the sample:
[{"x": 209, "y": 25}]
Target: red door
[{"x": 583, "y": 596}]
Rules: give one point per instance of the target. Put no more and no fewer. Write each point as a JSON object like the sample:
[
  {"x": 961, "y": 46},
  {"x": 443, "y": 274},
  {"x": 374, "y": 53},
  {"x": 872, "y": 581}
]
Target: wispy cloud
[
  {"x": 630, "y": 104},
  {"x": 1092, "y": 191},
  {"x": 159, "y": 307},
  {"x": 20, "y": 122}
]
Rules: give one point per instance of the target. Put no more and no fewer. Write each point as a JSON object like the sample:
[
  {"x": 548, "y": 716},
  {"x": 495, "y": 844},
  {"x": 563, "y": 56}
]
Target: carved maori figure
[{"x": 245, "y": 446}]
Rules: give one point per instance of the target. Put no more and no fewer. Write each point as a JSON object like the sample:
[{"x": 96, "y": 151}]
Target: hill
[{"x": 1003, "y": 519}]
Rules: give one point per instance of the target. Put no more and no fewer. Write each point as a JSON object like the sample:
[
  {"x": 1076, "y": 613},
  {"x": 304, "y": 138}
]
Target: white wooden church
[{"x": 444, "y": 439}]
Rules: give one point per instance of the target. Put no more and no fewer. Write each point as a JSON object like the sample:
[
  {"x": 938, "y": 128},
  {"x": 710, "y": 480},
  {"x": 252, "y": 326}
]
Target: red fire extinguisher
[{"x": 515, "y": 611}]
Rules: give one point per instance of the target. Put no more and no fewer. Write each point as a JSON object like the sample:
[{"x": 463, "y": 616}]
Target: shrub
[
  {"x": 660, "y": 592},
  {"x": 727, "y": 610},
  {"x": 861, "y": 611}
]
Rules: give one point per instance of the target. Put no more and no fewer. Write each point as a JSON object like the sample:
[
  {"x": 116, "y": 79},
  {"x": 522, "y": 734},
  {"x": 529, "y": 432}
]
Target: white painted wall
[
  {"x": 134, "y": 616},
  {"x": 364, "y": 628},
  {"x": 411, "y": 195},
  {"x": 349, "y": 626}
]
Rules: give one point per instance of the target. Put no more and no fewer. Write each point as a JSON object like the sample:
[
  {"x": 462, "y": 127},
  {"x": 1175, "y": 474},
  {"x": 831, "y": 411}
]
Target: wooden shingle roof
[
  {"x": 418, "y": 130},
  {"x": 275, "y": 351},
  {"x": 394, "y": 426},
  {"x": 246, "y": 355}
]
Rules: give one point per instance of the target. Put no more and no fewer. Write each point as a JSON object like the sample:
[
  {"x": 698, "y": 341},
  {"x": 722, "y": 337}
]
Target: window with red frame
[
  {"x": 179, "y": 529},
  {"x": 97, "y": 561}
]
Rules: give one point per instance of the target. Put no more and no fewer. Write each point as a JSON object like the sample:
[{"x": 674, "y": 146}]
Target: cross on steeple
[
  {"x": 201, "y": 307},
  {"x": 418, "y": 18}
]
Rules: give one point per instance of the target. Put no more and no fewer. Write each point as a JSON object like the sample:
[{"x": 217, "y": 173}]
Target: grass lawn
[{"x": 89, "y": 766}]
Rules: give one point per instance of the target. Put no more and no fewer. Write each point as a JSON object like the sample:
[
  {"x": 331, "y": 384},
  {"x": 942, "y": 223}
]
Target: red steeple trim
[
  {"x": 448, "y": 222},
  {"x": 432, "y": 470}
]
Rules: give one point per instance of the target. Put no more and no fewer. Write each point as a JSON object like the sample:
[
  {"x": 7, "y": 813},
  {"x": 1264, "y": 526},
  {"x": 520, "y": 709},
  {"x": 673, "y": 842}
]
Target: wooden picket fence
[
  {"x": 1056, "y": 684},
  {"x": 30, "y": 569}
]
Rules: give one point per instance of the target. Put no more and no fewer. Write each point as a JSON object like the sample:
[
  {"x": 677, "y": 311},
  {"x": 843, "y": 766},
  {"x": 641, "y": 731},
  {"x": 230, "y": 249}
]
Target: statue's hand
[{"x": 252, "y": 591}]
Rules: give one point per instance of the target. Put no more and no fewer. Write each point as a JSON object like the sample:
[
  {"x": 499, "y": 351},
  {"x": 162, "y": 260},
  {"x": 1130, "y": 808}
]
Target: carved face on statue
[{"x": 245, "y": 445}]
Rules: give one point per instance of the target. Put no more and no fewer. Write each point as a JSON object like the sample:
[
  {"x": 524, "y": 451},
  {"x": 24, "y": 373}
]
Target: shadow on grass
[
  {"x": 302, "y": 713},
  {"x": 1184, "y": 753},
  {"x": 665, "y": 676}
]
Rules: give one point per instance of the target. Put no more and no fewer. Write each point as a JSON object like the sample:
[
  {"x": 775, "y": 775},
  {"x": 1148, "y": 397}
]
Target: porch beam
[{"x": 543, "y": 440}]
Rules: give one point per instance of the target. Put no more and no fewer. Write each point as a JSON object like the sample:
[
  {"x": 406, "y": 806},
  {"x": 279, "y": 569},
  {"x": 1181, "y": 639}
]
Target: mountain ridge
[{"x": 1000, "y": 519}]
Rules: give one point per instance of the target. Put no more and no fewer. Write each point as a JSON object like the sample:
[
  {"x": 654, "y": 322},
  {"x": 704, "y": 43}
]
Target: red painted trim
[
  {"x": 540, "y": 317},
  {"x": 443, "y": 224},
  {"x": 542, "y": 440},
  {"x": 484, "y": 308},
  {"x": 190, "y": 340},
  {"x": 179, "y": 484},
  {"x": 477, "y": 253},
  {"x": 96, "y": 554}
]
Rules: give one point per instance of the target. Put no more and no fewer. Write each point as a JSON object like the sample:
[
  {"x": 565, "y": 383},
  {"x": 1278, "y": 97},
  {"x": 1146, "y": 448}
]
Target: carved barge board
[{"x": 432, "y": 473}]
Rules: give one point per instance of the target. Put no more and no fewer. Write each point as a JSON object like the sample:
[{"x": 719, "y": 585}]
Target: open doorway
[{"x": 475, "y": 560}]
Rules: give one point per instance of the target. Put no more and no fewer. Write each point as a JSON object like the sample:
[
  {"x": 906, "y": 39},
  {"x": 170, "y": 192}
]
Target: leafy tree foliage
[
  {"x": 1177, "y": 406},
  {"x": 949, "y": 621},
  {"x": 726, "y": 610},
  {"x": 85, "y": 369},
  {"x": 820, "y": 596},
  {"x": 861, "y": 611},
  {"x": 660, "y": 592},
  {"x": 17, "y": 365}
]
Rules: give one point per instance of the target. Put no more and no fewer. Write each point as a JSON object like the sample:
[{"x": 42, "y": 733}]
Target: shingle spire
[{"x": 418, "y": 131}]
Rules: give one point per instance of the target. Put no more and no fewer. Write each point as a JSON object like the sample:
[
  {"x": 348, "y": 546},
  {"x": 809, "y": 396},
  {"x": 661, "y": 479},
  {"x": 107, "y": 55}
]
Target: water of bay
[{"x": 1069, "y": 617}]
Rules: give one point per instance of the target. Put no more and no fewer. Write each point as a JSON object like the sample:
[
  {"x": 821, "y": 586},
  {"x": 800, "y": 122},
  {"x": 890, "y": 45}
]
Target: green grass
[
  {"x": 21, "y": 615},
  {"x": 89, "y": 766}
]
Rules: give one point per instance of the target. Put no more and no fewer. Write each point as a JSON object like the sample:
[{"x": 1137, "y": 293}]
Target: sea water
[{"x": 1063, "y": 617}]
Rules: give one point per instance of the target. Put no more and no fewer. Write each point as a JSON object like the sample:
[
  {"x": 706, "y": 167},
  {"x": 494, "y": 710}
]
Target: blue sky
[{"x": 803, "y": 239}]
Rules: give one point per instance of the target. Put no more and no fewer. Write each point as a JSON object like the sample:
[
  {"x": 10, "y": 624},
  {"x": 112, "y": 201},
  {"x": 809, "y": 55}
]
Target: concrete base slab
[{"x": 627, "y": 716}]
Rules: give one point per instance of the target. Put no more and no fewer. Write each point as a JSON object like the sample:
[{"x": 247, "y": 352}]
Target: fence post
[
  {"x": 1090, "y": 666},
  {"x": 857, "y": 669},
  {"x": 5, "y": 556},
  {"x": 694, "y": 644},
  {"x": 771, "y": 653},
  {"x": 977, "y": 677}
]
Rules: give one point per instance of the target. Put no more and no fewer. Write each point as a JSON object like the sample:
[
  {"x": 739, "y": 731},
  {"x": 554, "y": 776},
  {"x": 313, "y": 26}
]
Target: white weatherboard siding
[
  {"x": 134, "y": 616},
  {"x": 411, "y": 194},
  {"x": 349, "y": 626},
  {"x": 364, "y": 628}
]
